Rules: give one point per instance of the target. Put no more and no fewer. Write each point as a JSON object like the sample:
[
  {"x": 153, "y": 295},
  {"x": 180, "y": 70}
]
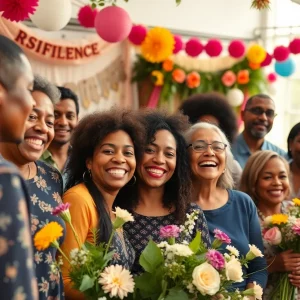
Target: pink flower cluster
[
  {"x": 216, "y": 259},
  {"x": 296, "y": 227},
  {"x": 60, "y": 209},
  {"x": 221, "y": 236},
  {"x": 169, "y": 231}
]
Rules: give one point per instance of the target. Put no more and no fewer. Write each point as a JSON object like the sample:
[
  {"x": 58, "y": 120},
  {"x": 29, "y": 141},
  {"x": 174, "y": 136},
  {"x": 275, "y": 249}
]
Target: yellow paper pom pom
[{"x": 256, "y": 54}]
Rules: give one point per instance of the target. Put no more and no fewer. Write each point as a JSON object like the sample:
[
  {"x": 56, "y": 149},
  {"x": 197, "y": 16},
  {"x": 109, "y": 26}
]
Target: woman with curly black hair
[
  {"x": 214, "y": 108},
  {"x": 162, "y": 193},
  {"x": 105, "y": 147}
]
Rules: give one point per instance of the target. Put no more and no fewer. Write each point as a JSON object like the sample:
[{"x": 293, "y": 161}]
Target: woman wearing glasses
[{"x": 231, "y": 211}]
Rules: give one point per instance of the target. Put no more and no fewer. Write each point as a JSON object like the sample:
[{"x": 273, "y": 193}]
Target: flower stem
[
  {"x": 109, "y": 241},
  {"x": 76, "y": 235},
  {"x": 63, "y": 254}
]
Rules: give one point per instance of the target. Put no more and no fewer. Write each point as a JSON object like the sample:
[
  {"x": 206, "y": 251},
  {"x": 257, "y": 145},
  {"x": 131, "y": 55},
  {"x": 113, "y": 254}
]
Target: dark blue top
[
  {"x": 145, "y": 228},
  {"x": 17, "y": 277},
  {"x": 239, "y": 220},
  {"x": 45, "y": 191}
]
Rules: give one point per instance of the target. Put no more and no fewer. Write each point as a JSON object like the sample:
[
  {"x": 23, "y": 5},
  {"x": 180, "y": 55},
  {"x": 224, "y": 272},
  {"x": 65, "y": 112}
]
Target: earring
[
  {"x": 224, "y": 171},
  {"x": 134, "y": 181},
  {"x": 87, "y": 174}
]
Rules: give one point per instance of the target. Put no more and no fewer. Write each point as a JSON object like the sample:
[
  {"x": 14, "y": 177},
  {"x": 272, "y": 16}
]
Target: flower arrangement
[
  {"x": 190, "y": 271},
  {"x": 260, "y": 4},
  {"x": 283, "y": 231},
  {"x": 89, "y": 270}
]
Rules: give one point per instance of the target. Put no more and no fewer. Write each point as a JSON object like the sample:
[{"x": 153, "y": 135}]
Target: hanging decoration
[
  {"x": 285, "y": 68},
  {"x": 137, "y": 34},
  {"x": 86, "y": 16},
  {"x": 17, "y": 10},
  {"x": 52, "y": 15},
  {"x": 260, "y": 4}
]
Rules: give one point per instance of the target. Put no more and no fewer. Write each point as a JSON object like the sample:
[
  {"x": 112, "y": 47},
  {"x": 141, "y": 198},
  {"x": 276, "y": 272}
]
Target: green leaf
[
  {"x": 195, "y": 243},
  {"x": 148, "y": 285},
  {"x": 178, "y": 2},
  {"x": 94, "y": 5},
  {"x": 86, "y": 283},
  {"x": 151, "y": 257},
  {"x": 177, "y": 294}
]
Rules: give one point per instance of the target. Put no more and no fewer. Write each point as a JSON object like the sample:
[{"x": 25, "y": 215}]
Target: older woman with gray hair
[
  {"x": 44, "y": 183},
  {"x": 231, "y": 211}
]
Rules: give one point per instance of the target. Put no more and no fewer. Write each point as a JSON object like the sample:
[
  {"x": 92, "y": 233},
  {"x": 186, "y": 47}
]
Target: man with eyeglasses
[{"x": 258, "y": 117}]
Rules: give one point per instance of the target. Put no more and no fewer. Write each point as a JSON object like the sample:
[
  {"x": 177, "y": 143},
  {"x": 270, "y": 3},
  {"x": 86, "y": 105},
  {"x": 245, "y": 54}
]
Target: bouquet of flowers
[
  {"x": 283, "y": 231},
  {"x": 182, "y": 271},
  {"x": 89, "y": 270}
]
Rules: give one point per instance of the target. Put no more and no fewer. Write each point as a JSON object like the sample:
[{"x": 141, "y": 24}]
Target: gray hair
[
  {"x": 41, "y": 84},
  {"x": 225, "y": 181}
]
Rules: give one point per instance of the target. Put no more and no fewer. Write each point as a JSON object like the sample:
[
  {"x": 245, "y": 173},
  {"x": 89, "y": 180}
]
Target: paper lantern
[
  {"x": 52, "y": 15},
  {"x": 235, "y": 97},
  {"x": 178, "y": 44},
  {"x": 86, "y": 16},
  {"x": 295, "y": 46},
  {"x": 285, "y": 68},
  {"x": 213, "y": 47},
  {"x": 113, "y": 24},
  {"x": 267, "y": 61},
  {"x": 281, "y": 53},
  {"x": 272, "y": 89},
  {"x": 137, "y": 34},
  {"x": 193, "y": 47},
  {"x": 237, "y": 48}
]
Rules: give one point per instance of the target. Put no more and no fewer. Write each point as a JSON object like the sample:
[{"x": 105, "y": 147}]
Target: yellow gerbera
[
  {"x": 279, "y": 219},
  {"x": 158, "y": 45},
  {"x": 48, "y": 235},
  {"x": 159, "y": 77},
  {"x": 296, "y": 201}
]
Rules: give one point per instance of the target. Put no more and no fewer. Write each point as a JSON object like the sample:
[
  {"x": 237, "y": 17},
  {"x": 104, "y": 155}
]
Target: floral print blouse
[
  {"x": 45, "y": 191},
  {"x": 17, "y": 277}
]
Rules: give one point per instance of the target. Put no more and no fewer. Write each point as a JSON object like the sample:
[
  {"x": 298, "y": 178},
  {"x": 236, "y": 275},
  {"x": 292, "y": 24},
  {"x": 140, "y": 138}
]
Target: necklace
[
  {"x": 29, "y": 171},
  {"x": 260, "y": 214}
]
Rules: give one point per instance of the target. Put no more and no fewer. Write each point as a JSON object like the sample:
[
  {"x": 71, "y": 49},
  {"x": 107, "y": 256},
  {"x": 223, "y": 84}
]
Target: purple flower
[
  {"x": 216, "y": 259},
  {"x": 60, "y": 209},
  {"x": 221, "y": 236},
  {"x": 169, "y": 231}
]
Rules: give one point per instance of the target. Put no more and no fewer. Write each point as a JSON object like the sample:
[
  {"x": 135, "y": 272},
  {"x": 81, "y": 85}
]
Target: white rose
[
  {"x": 268, "y": 221},
  {"x": 124, "y": 215},
  {"x": 258, "y": 291},
  {"x": 206, "y": 279},
  {"x": 233, "y": 270}
]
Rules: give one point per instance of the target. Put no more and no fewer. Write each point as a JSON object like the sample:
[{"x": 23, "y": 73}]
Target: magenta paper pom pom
[
  {"x": 213, "y": 47},
  {"x": 17, "y": 10},
  {"x": 86, "y": 16},
  {"x": 137, "y": 34},
  {"x": 272, "y": 77},
  {"x": 113, "y": 24},
  {"x": 237, "y": 48},
  {"x": 267, "y": 61},
  {"x": 178, "y": 44},
  {"x": 281, "y": 53},
  {"x": 295, "y": 46},
  {"x": 193, "y": 47}
]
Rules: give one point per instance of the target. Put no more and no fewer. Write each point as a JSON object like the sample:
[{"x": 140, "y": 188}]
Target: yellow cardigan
[{"x": 84, "y": 218}]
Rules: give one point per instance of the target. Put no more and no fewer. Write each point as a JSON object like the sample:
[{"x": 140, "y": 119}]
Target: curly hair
[
  {"x": 88, "y": 134},
  {"x": 67, "y": 93},
  {"x": 177, "y": 191},
  {"x": 214, "y": 104},
  {"x": 41, "y": 84},
  {"x": 293, "y": 133}
]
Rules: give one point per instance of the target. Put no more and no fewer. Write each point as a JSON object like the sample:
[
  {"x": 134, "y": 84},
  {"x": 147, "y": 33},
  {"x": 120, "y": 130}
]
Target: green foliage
[{"x": 151, "y": 258}]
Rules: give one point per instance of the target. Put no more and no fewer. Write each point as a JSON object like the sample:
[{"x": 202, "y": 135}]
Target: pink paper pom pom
[
  {"x": 193, "y": 47},
  {"x": 281, "y": 53},
  {"x": 178, "y": 44},
  {"x": 295, "y": 46},
  {"x": 113, "y": 24},
  {"x": 86, "y": 16},
  {"x": 237, "y": 48},
  {"x": 17, "y": 10},
  {"x": 272, "y": 77},
  {"x": 213, "y": 47},
  {"x": 267, "y": 61},
  {"x": 137, "y": 34}
]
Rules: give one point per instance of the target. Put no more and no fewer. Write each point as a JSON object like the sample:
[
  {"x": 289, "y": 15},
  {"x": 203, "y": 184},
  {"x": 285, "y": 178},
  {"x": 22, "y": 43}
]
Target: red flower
[{"x": 17, "y": 10}]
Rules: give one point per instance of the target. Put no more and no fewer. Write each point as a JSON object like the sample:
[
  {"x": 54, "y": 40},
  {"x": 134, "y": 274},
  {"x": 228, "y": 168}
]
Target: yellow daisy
[
  {"x": 296, "y": 201},
  {"x": 158, "y": 45},
  {"x": 279, "y": 219},
  {"x": 47, "y": 236}
]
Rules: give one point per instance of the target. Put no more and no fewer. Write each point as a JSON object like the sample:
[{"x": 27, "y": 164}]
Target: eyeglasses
[
  {"x": 258, "y": 111},
  {"x": 202, "y": 146}
]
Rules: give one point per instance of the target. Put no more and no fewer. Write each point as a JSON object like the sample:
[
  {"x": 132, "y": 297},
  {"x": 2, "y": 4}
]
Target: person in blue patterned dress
[
  {"x": 17, "y": 276},
  {"x": 162, "y": 193},
  {"x": 44, "y": 182}
]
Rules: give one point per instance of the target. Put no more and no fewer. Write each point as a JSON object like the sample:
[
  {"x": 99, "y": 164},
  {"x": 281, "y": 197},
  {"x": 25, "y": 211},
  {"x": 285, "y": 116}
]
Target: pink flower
[
  {"x": 228, "y": 78},
  {"x": 273, "y": 236},
  {"x": 62, "y": 210},
  {"x": 169, "y": 231},
  {"x": 296, "y": 227},
  {"x": 216, "y": 259},
  {"x": 221, "y": 236}
]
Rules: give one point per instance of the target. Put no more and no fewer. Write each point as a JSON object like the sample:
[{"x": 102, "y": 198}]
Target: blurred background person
[
  {"x": 17, "y": 274},
  {"x": 266, "y": 180},
  {"x": 215, "y": 109},
  {"x": 44, "y": 182}
]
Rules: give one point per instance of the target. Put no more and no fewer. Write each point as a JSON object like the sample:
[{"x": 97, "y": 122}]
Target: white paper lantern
[
  {"x": 52, "y": 15},
  {"x": 272, "y": 89},
  {"x": 235, "y": 97}
]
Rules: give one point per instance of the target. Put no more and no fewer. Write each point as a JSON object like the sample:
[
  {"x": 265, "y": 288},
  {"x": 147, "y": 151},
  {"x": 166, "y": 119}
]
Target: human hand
[
  {"x": 295, "y": 278},
  {"x": 287, "y": 261}
]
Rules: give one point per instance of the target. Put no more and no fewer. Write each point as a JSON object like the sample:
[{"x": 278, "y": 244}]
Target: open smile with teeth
[
  {"x": 36, "y": 143},
  {"x": 119, "y": 173},
  {"x": 208, "y": 164},
  {"x": 275, "y": 192},
  {"x": 155, "y": 171}
]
